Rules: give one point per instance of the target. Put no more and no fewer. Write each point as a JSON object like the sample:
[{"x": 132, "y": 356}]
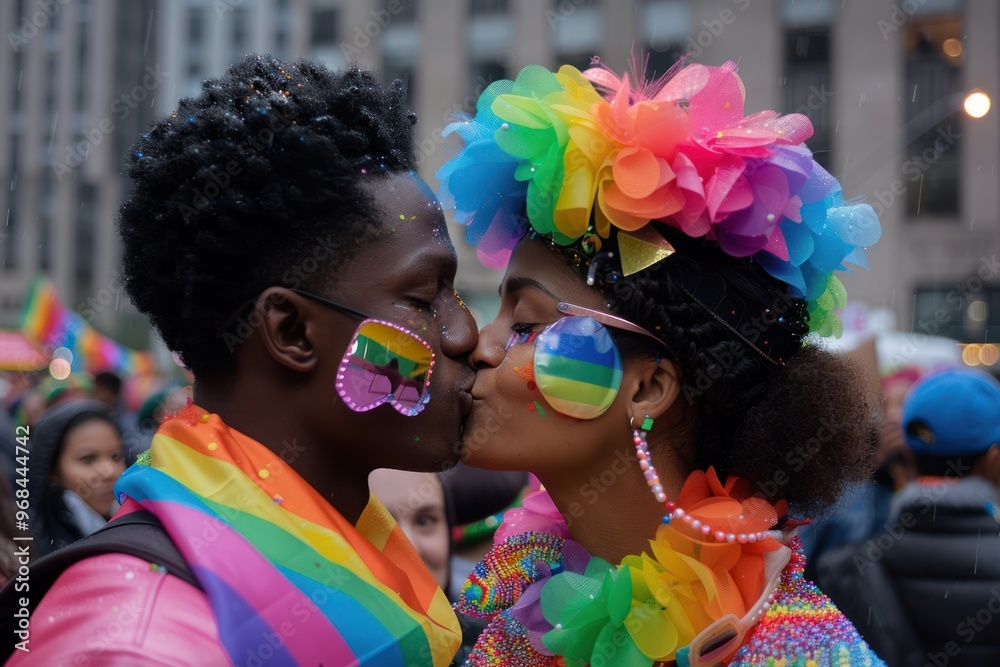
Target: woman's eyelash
[{"x": 523, "y": 327}]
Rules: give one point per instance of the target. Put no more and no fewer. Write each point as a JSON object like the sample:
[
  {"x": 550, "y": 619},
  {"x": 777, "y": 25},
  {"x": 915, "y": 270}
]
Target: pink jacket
[{"x": 113, "y": 610}]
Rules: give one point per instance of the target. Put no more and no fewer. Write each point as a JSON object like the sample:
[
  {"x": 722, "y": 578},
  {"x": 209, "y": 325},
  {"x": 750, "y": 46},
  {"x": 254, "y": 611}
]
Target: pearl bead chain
[{"x": 675, "y": 513}]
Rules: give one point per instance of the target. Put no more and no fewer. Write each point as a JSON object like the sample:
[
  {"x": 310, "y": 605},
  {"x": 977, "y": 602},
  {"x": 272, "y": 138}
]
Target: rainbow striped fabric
[{"x": 282, "y": 569}]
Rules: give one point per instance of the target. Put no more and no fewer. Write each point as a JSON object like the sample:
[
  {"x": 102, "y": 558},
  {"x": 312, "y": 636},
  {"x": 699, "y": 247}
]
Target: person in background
[
  {"x": 864, "y": 508},
  {"x": 927, "y": 589},
  {"x": 56, "y": 392},
  {"x": 416, "y": 501},
  {"x": 433, "y": 508},
  {"x": 108, "y": 390},
  {"x": 475, "y": 500},
  {"x": 151, "y": 414},
  {"x": 76, "y": 458}
]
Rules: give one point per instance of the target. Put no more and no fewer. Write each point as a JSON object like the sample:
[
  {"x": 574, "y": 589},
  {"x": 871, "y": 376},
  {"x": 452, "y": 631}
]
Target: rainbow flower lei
[
  {"x": 563, "y": 602},
  {"x": 549, "y": 153}
]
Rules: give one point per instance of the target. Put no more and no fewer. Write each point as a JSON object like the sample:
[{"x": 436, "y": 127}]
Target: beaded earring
[
  {"x": 645, "y": 462},
  {"x": 676, "y": 513}
]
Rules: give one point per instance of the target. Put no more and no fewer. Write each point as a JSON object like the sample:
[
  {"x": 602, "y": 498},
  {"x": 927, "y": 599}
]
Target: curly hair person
[
  {"x": 254, "y": 183},
  {"x": 800, "y": 431}
]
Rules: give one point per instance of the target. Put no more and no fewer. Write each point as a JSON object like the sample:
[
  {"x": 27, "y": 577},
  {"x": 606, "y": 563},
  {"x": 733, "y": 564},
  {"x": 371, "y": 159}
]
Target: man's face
[{"x": 406, "y": 277}]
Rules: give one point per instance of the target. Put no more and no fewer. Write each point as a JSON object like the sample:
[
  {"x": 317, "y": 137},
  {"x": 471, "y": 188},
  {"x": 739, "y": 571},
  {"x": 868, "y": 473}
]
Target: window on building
[
  {"x": 86, "y": 246},
  {"x": 196, "y": 24},
  {"x": 82, "y": 80},
  {"x": 481, "y": 74},
  {"x": 477, "y": 7},
  {"x": 807, "y": 85},
  {"x": 402, "y": 10},
  {"x": 577, "y": 31},
  {"x": 932, "y": 101},
  {"x": 241, "y": 29},
  {"x": 324, "y": 26},
  {"x": 9, "y": 241},
  {"x": 966, "y": 311}
]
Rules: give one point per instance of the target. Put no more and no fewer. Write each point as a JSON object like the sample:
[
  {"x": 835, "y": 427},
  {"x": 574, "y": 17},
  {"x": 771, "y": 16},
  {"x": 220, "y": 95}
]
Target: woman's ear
[
  {"x": 287, "y": 326},
  {"x": 656, "y": 387}
]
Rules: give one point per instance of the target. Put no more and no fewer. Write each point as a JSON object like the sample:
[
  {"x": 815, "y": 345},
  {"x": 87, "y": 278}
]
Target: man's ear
[
  {"x": 287, "y": 327},
  {"x": 655, "y": 388}
]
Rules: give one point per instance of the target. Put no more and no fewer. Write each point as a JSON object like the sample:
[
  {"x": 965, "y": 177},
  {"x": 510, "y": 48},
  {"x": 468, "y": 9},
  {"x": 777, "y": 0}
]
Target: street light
[{"x": 977, "y": 104}]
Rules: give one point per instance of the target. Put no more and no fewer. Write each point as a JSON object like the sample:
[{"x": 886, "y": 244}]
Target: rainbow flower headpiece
[{"x": 548, "y": 153}]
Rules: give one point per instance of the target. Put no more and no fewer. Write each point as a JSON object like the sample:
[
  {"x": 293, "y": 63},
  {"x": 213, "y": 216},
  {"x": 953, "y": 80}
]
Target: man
[
  {"x": 926, "y": 591},
  {"x": 281, "y": 244}
]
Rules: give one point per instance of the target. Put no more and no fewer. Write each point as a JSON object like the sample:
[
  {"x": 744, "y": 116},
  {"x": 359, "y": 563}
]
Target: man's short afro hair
[{"x": 256, "y": 182}]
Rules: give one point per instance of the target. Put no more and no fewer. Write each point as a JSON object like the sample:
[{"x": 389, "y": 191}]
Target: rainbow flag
[
  {"x": 48, "y": 322},
  {"x": 270, "y": 552}
]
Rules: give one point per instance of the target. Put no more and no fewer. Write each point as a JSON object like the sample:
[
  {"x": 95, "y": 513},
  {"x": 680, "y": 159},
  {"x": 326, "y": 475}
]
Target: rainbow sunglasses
[
  {"x": 384, "y": 363},
  {"x": 577, "y": 365}
]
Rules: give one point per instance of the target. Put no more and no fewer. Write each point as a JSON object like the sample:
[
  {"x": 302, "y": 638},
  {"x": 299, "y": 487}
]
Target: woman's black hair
[
  {"x": 256, "y": 182},
  {"x": 800, "y": 430}
]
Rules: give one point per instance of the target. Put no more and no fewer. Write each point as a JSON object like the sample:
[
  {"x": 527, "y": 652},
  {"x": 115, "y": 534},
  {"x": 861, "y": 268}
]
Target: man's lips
[
  {"x": 465, "y": 396},
  {"x": 465, "y": 399}
]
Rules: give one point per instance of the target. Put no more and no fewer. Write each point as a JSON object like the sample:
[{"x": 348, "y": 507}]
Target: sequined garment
[{"x": 802, "y": 628}]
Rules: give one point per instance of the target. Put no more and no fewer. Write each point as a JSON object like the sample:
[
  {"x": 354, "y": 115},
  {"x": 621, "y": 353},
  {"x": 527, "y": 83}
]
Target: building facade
[{"x": 883, "y": 81}]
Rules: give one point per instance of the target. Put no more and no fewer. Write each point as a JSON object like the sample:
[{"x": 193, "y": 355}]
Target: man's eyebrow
[{"x": 518, "y": 283}]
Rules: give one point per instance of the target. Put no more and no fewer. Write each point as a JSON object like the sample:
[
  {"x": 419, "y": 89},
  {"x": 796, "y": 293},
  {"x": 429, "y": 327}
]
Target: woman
[
  {"x": 263, "y": 213},
  {"x": 667, "y": 257},
  {"x": 76, "y": 457}
]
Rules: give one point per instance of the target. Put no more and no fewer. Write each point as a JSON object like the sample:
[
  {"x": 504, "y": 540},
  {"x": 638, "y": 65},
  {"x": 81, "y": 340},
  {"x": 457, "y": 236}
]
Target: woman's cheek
[{"x": 517, "y": 381}]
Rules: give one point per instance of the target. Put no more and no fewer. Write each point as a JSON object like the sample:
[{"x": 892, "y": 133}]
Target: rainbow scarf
[{"x": 284, "y": 572}]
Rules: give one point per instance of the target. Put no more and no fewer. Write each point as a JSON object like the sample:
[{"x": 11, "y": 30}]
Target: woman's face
[
  {"x": 416, "y": 502},
  {"x": 512, "y": 426},
  {"x": 91, "y": 462}
]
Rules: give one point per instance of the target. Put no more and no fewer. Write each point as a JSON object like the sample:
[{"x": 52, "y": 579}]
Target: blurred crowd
[
  {"x": 80, "y": 434},
  {"x": 905, "y": 554}
]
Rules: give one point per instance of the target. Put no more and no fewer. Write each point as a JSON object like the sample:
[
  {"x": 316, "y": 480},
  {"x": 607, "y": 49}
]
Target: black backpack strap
[{"x": 138, "y": 534}]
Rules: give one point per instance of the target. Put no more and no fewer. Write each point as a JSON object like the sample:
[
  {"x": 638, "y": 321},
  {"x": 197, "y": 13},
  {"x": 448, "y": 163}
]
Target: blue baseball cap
[{"x": 951, "y": 413}]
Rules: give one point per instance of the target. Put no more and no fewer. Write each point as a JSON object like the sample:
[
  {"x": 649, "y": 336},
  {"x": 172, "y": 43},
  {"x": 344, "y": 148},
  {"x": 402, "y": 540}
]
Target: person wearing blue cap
[{"x": 926, "y": 590}]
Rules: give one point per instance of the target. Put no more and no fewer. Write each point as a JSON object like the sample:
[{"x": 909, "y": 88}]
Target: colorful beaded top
[
  {"x": 576, "y": 157},
  {"x": 733, "y": 594}
]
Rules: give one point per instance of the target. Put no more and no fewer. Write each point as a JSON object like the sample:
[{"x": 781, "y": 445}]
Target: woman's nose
[{"x": 489, "y": 351}]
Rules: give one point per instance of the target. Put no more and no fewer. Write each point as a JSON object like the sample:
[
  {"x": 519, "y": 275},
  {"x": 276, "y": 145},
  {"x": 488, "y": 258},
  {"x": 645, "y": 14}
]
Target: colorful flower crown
[{"x": 541, "y": 150}]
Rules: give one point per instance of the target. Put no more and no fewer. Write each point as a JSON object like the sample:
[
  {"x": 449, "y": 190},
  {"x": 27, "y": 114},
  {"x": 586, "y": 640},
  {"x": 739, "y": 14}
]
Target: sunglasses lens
[
  {"x": 385, "y": 364},
  {"x": 578, "y": 368}
]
